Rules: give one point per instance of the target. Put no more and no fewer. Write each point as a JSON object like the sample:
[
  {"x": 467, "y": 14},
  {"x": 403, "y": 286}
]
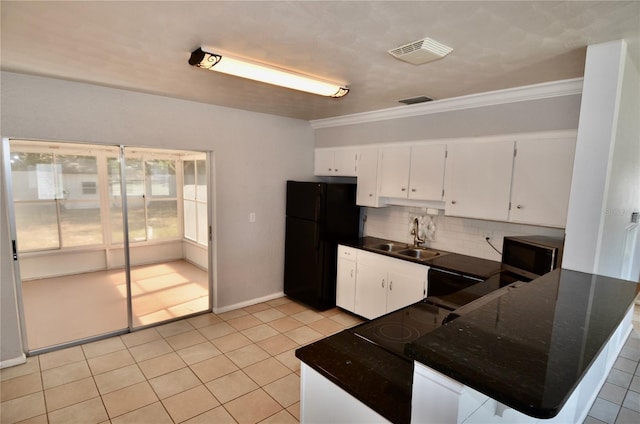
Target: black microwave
[{"x": 531, "y": 256}]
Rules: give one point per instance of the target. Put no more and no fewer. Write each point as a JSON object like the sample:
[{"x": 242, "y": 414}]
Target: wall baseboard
[
  {"x": 13, "y": 361},
  {"x": 248, "y": 303}
]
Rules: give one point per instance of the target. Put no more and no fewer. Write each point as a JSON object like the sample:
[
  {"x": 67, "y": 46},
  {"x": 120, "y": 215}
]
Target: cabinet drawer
[{"x": 345, "y": 252}]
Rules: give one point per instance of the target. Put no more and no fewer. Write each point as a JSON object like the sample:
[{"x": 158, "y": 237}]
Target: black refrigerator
[{"x": 319, "y": 216}]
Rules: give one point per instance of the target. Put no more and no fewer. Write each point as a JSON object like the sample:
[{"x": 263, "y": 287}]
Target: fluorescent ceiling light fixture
[{"x": 264, "y": 73}]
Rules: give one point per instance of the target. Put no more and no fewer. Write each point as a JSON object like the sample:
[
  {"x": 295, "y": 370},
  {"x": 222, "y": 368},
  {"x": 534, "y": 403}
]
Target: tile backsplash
[{"x": 459, "y": 235}]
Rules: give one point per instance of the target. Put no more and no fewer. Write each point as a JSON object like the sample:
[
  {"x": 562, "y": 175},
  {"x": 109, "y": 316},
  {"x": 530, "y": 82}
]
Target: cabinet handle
[
  {"x": 336, "y": 169},
  {"x": 404, "y": 189},
  {"x": 413, "y": 190},
  {"x": 329, "y": 169},
  {"x": 519, "y": 206},
  {"x": 383, "y": 283},
  {"x": 370, "y": 194},
  {"x": 351, "y": 273},
  {"x": 390, "y": 285},
  {"x": 453, "y": 202}
]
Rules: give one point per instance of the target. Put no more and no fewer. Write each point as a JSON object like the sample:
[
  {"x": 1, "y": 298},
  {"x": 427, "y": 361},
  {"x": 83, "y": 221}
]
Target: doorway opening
[{"x": 109, "y": 238}]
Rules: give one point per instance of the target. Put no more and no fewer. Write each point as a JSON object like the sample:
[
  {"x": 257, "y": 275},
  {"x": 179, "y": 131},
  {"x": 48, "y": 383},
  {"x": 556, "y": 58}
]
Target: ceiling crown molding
[{"x": 511, "y": 95}]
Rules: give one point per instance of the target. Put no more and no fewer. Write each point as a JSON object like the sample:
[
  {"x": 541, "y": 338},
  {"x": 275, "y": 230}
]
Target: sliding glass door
[
  {"x": 82, "y": 275},
  {"x": 169, "y": 279}
]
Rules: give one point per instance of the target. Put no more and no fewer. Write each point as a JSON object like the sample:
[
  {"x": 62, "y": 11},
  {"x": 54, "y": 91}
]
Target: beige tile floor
[
  {"x": 234, "y": 367},
  {"x": 63, "y": 309}
]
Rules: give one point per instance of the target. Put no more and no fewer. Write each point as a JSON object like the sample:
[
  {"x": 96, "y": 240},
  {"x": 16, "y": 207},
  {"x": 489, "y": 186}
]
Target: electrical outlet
[{"x": 487, "y": 234}]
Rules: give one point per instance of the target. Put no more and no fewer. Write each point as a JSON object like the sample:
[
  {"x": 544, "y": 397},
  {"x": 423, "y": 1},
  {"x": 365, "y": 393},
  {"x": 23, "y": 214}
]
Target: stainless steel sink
[
  {"x": 419, "y": 253},
  {"x": 403, "y": 250},
  {"x": 388, "y": 247}
]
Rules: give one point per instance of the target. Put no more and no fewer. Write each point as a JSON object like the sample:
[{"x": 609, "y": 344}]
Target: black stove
[{"x": 394, "y": 330}]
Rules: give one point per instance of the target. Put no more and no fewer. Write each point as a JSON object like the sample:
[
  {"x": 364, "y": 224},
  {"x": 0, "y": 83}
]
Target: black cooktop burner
[{"x": 394, "y": 330}]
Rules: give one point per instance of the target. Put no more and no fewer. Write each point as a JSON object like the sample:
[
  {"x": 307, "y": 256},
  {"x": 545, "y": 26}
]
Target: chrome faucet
[{"x": 415, "y": 232}]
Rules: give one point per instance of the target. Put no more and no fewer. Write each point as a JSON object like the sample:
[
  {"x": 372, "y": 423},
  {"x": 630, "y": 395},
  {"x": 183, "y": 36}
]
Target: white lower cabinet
[
  {"x": 385, "y": 284},
  {"x": 322, "y": 401},
  {"x": 346, "y": 278},
  {"x": 371, "y": 289}
]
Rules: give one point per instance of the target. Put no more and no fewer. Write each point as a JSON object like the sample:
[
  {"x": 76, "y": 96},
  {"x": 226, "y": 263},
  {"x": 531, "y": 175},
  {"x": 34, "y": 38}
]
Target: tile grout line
[{"x": 175, "y": 347}]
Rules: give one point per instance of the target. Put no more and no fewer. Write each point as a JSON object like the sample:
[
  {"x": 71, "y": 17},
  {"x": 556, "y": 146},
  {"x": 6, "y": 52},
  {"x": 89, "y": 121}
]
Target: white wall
[
  {"x": 547, "y": 114},
  {"x": 606, "y": 173},
  {"x": 254, "y": 155}
]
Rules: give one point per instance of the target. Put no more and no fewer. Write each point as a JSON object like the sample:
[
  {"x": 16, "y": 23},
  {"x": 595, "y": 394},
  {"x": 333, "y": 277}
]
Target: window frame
[{"x": 103, "y": 197}]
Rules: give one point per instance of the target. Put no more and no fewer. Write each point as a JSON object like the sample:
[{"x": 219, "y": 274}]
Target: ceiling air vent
[
  {"x": 421, "y": 51},
  {"x": 414, "y": 100}
]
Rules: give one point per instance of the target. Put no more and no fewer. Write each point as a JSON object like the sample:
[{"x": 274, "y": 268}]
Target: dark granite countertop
[
  {"x": 379, "y": 379},
  {"x": 530, "y": 347},
  {"x": 455, "y": 262}
]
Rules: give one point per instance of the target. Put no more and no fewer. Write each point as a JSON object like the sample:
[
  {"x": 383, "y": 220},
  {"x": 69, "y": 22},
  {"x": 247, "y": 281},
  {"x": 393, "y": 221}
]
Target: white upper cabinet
[
  {"x": 426, "y": 179},
  {"x": 541, "y": 181},
  {"x": 478, "y": 179},
  {"x": 412, "y": 172},
  {"x": 367, "y": 190},
  {"x": 394, "y": 171},
  {"x": 336, "y": 162}
]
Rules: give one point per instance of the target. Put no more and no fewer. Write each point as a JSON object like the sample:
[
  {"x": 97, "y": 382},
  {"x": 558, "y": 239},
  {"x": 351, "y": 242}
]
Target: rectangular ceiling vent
[
  {"x": 421, "y": 51},
  {"x": 414, "y": 100}
]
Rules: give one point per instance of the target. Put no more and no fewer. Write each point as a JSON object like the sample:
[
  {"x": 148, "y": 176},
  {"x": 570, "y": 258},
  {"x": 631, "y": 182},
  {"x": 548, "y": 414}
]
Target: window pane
[
  {"x": 189, "y": 171},
  {"x": 137, "y": 231},
  {"x": 135, "y": 213},
  {"x": 115, "y": 217},
  {"x": 80, "y": 224},
  {"x": 113, "y": 171},
  {"x": 202, "y": 224},
  {"x": 134, "y": 174},
  {"x": 33, "y": 176},
  {"x": 78, "y": 174},
  {"x": 163, "y": 219},
  {"x": 37, "y": 226},
  {"x": 190, "y": 222},
  {"x": 161, "y": 178},
  {"x": 201, "y": 167}
]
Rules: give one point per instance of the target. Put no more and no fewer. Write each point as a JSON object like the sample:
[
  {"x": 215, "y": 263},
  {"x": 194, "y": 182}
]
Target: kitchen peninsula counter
[{"x": 527, "y": 349}]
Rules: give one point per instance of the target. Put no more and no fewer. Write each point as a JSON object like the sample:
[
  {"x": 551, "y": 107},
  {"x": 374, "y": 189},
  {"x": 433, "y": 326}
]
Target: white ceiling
[{"x": 144, "y": 46}]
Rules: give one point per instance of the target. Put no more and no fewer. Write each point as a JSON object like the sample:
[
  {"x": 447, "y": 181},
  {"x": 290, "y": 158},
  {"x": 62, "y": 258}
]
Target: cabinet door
[
  {"x": 478, "y": 180},
  {"x": 346, "y": 284},
  {"x": 541, "y": 181},
  {"x": 394, "y": 171},
  {"x": 426, "y": 180},
  {"x": 371, "y": 289},
  {"x": 323, "y": 162},
  {"x": 367, "y": 190},
  {"x": 407, "y": 285},
  {"x": 344, "y": 162}
]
